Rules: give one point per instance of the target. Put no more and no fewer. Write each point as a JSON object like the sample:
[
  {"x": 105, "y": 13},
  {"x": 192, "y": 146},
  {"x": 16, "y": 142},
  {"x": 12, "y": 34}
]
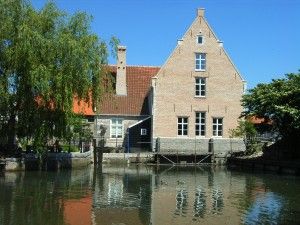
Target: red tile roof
[
  {"x": 257, "y": 120},
  {"x": 82, "y": 107},
  {"x": 138, "y": 80}
]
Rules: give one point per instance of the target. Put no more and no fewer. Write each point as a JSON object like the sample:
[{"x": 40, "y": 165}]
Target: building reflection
[
  {"x": 200, "y": 202},
  {"x": 200, "y": 195},
  {"x": 139, "y": 195},
  {"x": 122, "y": 196},
  {"x": 217, "y": 200},
  {"x": 181, "y": 202},
  {"x": 40, "y": 198}
]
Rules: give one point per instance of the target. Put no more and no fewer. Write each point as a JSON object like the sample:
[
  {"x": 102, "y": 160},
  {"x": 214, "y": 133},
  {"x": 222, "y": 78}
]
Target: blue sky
[{"x": 261, "y": 36}]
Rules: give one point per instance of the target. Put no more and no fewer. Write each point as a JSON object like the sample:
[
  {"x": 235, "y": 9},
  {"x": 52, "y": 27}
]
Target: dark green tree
[
  {"x": 46, "y": 58},
  {"x": 278, "y": 103}
]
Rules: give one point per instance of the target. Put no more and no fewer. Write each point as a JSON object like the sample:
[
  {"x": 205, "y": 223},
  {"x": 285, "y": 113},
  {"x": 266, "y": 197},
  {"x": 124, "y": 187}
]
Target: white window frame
[
  {"x": 200, "y": 84},
  {"x": 180, "y": 126},
  {"x": 197, "y": 39},
  {"x": 200, "y": 61},
  {"x": 143, "y": 131},
  {"x": 218, "y": 123},
  {"x": 118, "y": 126},
  {"x": 200, "y": 121}
]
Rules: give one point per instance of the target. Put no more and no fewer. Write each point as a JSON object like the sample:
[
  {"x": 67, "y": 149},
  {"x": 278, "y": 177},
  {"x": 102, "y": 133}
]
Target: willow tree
[{"x": 46, "y": 58}]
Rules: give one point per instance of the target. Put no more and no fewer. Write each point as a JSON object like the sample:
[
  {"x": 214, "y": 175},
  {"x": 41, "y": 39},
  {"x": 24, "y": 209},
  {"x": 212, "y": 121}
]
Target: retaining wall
[
  {"x": 52, "y": 161},
  {"x": 219, "y": 146}
]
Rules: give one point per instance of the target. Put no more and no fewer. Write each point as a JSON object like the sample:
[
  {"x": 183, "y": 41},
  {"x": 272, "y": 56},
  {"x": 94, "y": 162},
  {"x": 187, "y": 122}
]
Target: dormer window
[{"x": 199, "y": 39}]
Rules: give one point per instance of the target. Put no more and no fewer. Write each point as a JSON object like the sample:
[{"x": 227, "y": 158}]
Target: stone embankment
[
  {"x": 51, "y": 161},
  {"x": 259, "y": 163}
]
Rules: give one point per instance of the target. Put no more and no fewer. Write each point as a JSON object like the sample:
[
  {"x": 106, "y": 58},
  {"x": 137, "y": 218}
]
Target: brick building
[
  {"x": 193, "y": 99},
  {"x": 196, "y": 93},
  {"x": 123, "y": 116}
]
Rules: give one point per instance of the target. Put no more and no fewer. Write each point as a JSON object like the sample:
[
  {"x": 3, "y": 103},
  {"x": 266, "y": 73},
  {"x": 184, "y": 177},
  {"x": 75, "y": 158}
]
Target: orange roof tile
[
  {"x": 258, "y": 120},
  {"x": 83, "y": 107}
]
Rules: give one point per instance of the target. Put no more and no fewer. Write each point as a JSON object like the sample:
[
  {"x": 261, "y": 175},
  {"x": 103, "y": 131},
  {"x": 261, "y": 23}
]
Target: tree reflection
[{"x": 37, "y": 198}]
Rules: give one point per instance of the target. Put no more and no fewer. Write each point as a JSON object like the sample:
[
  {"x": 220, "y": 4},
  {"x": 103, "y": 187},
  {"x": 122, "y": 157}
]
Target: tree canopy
[
  {"x": 277, "y": 102},
  {"x": 46, "y": 58}
]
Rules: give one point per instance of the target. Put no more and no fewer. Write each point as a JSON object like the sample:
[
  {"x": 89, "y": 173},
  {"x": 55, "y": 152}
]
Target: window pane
[
  {"x": 119, "y": 131},
  {"x": 200, "y": 39},
  {"x": 113, "y": 130},
  {"x": 179, "y": 132}
]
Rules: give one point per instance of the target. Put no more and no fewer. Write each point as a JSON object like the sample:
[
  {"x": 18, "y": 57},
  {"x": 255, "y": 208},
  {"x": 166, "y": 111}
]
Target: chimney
[
  {"x": 200, "y": 12},
  {"x": 121, "y": 86}
]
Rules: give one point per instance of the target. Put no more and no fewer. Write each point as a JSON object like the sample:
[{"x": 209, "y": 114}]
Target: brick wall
[{"x": 174, "y": 87}]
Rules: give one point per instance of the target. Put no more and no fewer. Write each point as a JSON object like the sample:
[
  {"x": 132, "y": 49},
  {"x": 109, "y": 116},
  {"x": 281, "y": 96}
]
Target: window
[
  {"x": 200, "y": 124},
  {"x": 143, "y": 131},
  {"x": 200, "y": 61},
  {"x": 200, "y": 89},
  {"x": 218, "y": 127},
  {"x": 90, "y": 119},
  {"x": 200, "y": 39},
  {"x": 182, "y": 125},
  {"x": 116, "y": 128}
]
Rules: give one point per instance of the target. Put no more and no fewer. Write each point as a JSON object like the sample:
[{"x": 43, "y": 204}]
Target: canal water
[{"x": 139, "y": 195}]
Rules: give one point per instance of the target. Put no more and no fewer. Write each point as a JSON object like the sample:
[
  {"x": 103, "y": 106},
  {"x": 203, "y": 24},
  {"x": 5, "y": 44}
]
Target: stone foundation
[
  {"x": 53, "y": 161},
  {"x": 219, "y": 146}
]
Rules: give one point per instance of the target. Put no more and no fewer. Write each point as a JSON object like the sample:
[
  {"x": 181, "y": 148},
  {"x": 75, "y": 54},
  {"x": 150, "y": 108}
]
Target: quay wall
[
  {"x": 220, "y": 147},
  {"x": 51, "y": 161}
]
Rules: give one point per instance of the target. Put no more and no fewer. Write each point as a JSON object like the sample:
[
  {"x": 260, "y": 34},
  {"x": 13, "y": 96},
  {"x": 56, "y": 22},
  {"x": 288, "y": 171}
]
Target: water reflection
[
  {"x": 200, "y": 202},
  {"x": 217, "y": 200},
  {"x": 181, "y": 202},
  {"x": 265, "y": 208},
  {"x": 137, "y": 195}
]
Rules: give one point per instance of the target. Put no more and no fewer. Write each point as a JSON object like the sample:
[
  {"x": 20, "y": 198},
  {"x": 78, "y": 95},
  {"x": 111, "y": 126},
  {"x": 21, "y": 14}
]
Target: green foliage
[
  {"x": 247, "y": 131},
  {"x": 46, "y": 58},
  {"x": 79, "y": 130},
  {"x": 70, "y": 148},
  {"x": 278, "y": 102}
]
